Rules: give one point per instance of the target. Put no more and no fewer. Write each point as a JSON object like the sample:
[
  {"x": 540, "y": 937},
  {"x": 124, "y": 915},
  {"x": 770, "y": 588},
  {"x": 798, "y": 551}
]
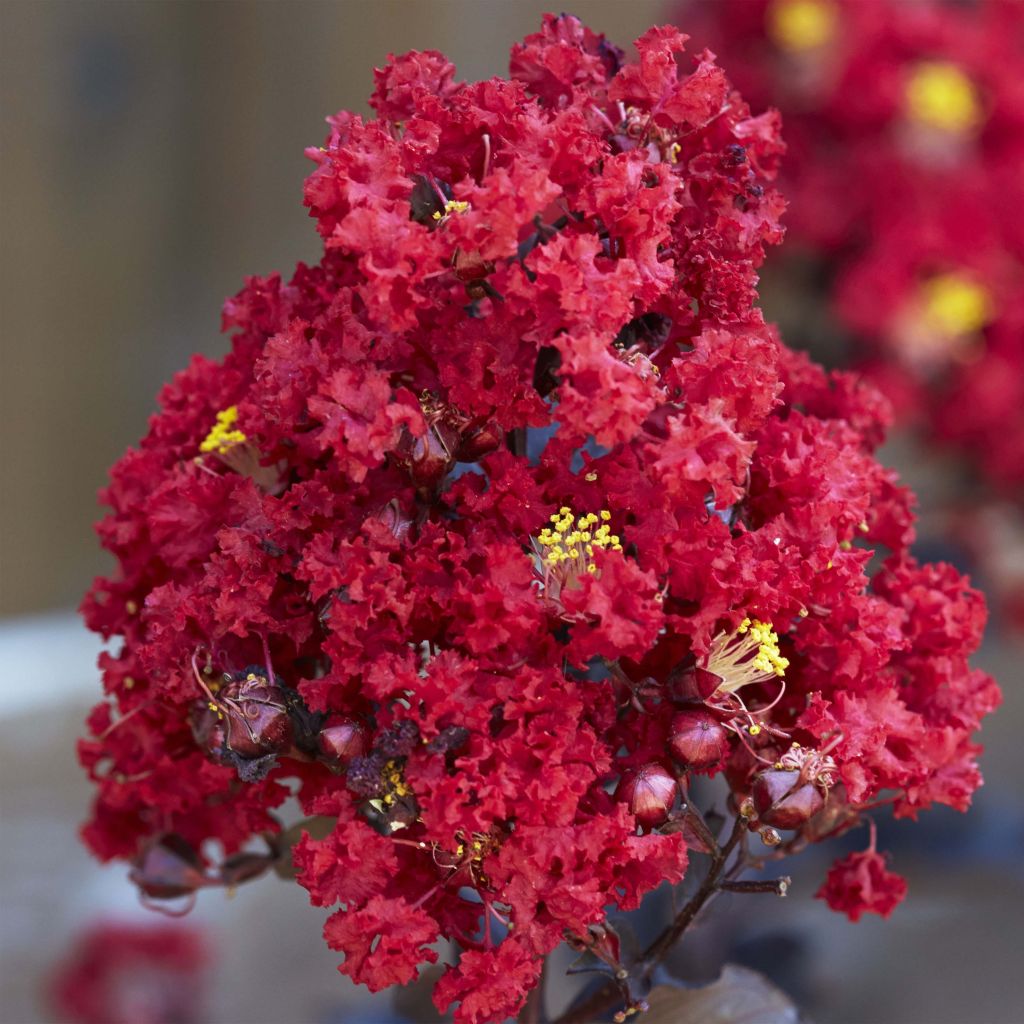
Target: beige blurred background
[{"x": 151, "y": 156}]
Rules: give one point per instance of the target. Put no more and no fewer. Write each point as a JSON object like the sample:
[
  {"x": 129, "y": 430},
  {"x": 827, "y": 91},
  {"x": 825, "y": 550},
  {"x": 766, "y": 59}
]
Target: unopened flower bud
[
  {"x": 207, "y": 728},
  {"x": 428, "y": 458},
  {"x": 480, "y": 442},
  {"x": 256, "y": 719},
  {"x": 650, "y": 792},
  {"x": 698, "y": 739},
  {"x": 392, "y": 516},
  {"x": 784, "y": 799},
  {"x": 168, "y": 868},
  {"x": 341, "y": 739}
]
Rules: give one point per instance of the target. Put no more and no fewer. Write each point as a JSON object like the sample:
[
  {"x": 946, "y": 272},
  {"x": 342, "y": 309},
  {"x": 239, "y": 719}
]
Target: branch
[{"x": 608, "y": 994}]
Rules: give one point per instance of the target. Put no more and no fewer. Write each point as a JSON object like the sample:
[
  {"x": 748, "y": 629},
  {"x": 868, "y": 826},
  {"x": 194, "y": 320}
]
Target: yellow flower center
[
  {"x": 750, "y": 655},
  {"x": 224, "y": 434},
  {"x": 940, "y": 95},
  {"x": 451, "y": 206},
  {"x": 395, "y": 782},
  {"x": 567, "y": 545},
  {"x": 801, "y": 25},
  {"x": 955, "y": 305}
]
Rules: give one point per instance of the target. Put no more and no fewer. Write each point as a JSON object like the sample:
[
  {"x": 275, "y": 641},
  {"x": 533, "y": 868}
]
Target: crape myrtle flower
[
  {"x": 905, "y": 132},
  {"x": 486, "y": 505},
  {"x": 861, "y": 883},
  {"x": 124, "y": 972}
]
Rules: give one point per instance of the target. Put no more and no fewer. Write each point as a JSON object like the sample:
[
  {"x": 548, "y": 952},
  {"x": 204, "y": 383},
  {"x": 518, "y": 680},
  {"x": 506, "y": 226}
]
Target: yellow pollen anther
[
  {"x": 451, "y": 206},
  {"x": 590, "y": 477},
  {"x": 754, "y": 730},
  {"x": 801, "y": 25},
  {"x": 673, "y": 152},
  {"x": 395, "y": 783},
  {"x": 566, "y": 547},
  {"x": 954, "y": 305},
  {"x": 941, "y": 96},
  {"x": 750, "y": 655},
  {"x": 224, "y": 434}
]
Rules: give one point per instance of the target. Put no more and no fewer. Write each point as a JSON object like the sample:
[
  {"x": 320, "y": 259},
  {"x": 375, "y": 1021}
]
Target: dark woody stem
[
  {"x": 718, "y": 879},
  {"x": 533, "y": 1009}
]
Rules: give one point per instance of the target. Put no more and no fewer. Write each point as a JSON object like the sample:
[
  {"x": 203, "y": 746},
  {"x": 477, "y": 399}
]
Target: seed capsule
[
  {"x": 256, "y": 718},
  {"x": 475, "y": 444},
  {"x": 698, "y": 739},
  {"x": 168, "y": 868},
  {"x": 650, "y": 792},
  {"x": 784, "y": 799},
  {"x": 342, "y": 739}
]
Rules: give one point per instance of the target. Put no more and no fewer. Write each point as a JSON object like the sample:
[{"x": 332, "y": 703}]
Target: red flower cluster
[
  {"x": 504, "y": 518},
  {"x": 127, "y": 973},
  {"x": 860, "y": 883},
  {"x": 905, "y": 126}
]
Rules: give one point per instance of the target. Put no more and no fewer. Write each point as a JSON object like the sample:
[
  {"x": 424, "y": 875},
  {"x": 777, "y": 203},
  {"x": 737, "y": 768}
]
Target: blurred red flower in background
[{"x": 121, "y": 972}]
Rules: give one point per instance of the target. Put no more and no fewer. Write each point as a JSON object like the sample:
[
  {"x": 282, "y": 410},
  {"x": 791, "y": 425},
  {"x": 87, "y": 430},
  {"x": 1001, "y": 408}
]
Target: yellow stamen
[
  {"x": 566, "y": 547},
  {"x": 224, "y": 434},
  {"x": 750, "y": 655},
  {"x": 451, "y": 206},
  {"x": 955, "y": 305},
  {"x": 801, "y": 25},
  {"x": 941, "y": 96},
  {"x": 395, "y": 782}
]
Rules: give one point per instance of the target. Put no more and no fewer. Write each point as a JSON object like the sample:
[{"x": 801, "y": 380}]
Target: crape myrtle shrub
[{"x": 503, "y": 520}]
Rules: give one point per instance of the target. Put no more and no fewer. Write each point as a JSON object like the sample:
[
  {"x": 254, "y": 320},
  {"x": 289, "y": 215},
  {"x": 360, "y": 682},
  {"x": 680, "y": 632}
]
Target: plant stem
[
  {"x": 533, "y": 1009},
  {"x": 606, "y": 996}
]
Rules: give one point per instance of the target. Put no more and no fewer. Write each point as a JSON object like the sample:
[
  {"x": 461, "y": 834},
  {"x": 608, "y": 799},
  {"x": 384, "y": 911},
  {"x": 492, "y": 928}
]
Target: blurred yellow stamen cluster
[
  {"x": 800, "y": 25},
  {"x": 940, "y": 95},
  {"x": 955, "y": 305},
  {"x": 750, "y": 655},
  {"x": 569, "y": 543},
  {"x": 225, "y": 434},
  {"x": 452, "y": 206},
  {"x": 395, "y": 782}
]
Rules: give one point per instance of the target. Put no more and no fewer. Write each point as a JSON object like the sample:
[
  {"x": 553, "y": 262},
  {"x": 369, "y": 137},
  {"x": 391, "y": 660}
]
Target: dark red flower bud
[
  {"x": 650, "y": 792},
  {"x": 694, "y": 684},
  {"x": 698, "y": 739},
  {"x": 784, "y": 799},
  {"x": 168, "y": 868},
  {"x": 471, "y": 266},
  {"x": 429, "y": 457},
  {"x": 392, "y": 516},
  {"x": 477, "y": 443},
  {"x": 243, "y": 867},
  {"x": 207, "y": 728},
  {"x": 342, "y": 739},
  {"x": 256, "y": 719}
]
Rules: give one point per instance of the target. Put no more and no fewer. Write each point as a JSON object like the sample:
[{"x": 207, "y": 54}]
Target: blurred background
[{"x": 151, "y": 156}]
